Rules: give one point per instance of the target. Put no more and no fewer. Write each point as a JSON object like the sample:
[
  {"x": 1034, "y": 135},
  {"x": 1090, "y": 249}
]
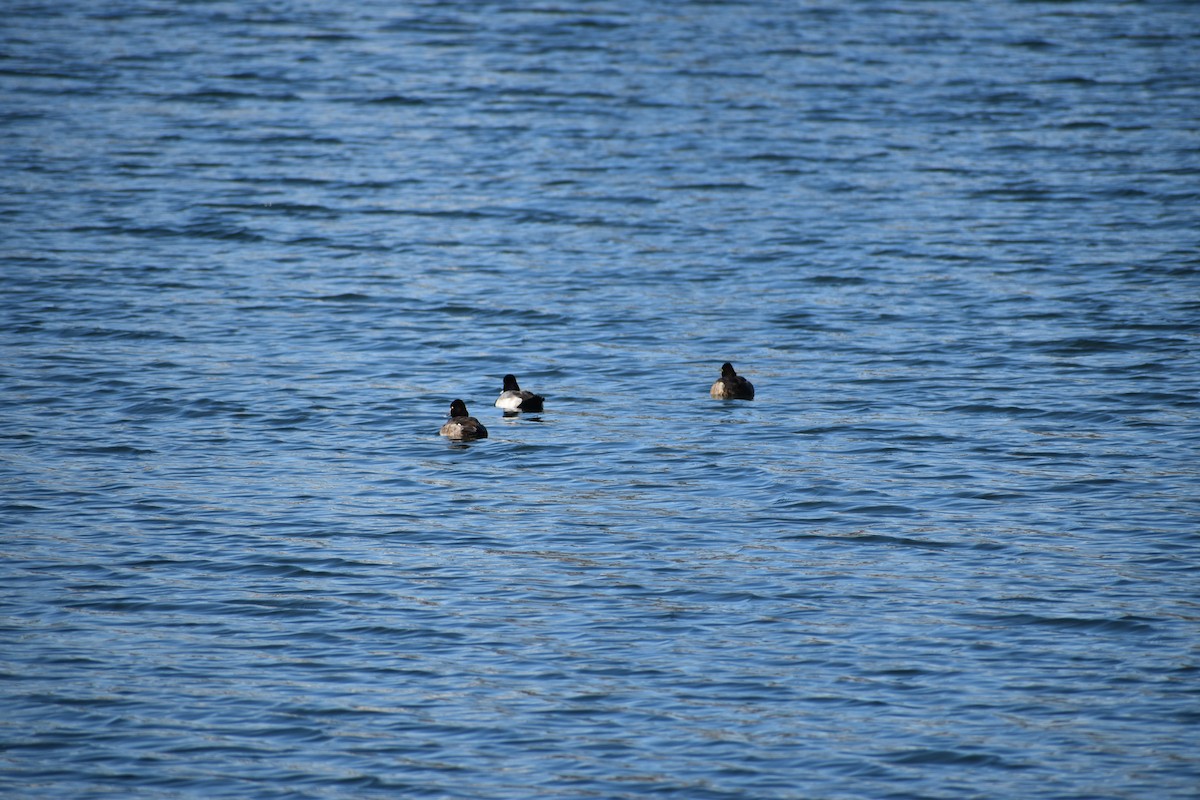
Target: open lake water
[{"x": 252, "y": 250}]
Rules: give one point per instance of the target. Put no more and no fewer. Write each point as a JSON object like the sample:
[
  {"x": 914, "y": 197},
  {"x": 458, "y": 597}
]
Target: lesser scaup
[
  {"x": 461, "y": 425},
  {"x": 514, "y": 398},
  {"x": 731, "y": 386}
]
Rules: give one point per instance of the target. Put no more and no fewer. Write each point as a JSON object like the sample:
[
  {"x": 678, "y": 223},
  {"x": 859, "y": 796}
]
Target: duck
[
  {"x": 731, "y": 386},
  {"x": 462, "y": 425},
  {"x": 514, "y": 398}
]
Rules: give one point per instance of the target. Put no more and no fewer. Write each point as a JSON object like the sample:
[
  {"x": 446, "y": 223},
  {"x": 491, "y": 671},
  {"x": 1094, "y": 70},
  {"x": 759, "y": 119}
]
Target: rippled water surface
[{"x": 251, "y": 251}]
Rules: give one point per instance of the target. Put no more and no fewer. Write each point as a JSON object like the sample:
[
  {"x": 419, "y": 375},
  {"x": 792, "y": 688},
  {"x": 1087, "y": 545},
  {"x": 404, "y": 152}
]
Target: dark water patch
[
  {"x": 432, "y": 23},
  {"x": 345, "y": 297},
  {"x": 138, "y": 334},
  {"x": 1082, "y": 624},
  {"x": 114, "y": 450},
  {"x": 715, "y": 187},
  {"x": 208, "y": 407},
  {"x": 220, "y": 96},
  {"x": 862, "y": 537},
  {"x": 1084, "y": 346},
  {"x": 399, "y": 100},
  {"x": 837, "y": 280},
  {"x": 276, "y": 207},
  {"x": 988, "y": 409},
  {"x": 198, "y": 231},
  {"x": 152, "y": 408},
  {"x": 950, "y": 758}
]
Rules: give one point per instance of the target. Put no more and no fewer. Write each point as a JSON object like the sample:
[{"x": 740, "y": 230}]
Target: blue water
[{"x": 251, "y": 251}]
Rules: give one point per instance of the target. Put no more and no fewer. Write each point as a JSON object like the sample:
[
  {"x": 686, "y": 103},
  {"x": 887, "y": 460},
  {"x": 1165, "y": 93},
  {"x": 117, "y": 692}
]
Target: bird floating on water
[
  {"x": 514, "y": 398},
  {"x": 731, "y": 386},
  {"x": 462, "y": 425}
]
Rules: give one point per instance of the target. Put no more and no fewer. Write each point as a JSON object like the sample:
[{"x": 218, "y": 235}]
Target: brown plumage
[
  {"x": 731, "y": 386},
  {"x": 461, "y": 425}
]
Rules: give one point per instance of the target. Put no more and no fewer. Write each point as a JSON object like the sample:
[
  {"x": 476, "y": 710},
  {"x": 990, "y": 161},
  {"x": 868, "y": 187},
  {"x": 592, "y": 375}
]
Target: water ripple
[{"x": 252, "y": 253}]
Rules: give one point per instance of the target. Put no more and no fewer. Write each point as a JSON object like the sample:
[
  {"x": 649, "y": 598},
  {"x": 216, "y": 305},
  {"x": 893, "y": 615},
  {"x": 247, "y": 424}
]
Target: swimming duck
[
  {"x": 461, "y": 425},
  {"x": 731, "y": 386},
  {"x": 514, "y": 398}
]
